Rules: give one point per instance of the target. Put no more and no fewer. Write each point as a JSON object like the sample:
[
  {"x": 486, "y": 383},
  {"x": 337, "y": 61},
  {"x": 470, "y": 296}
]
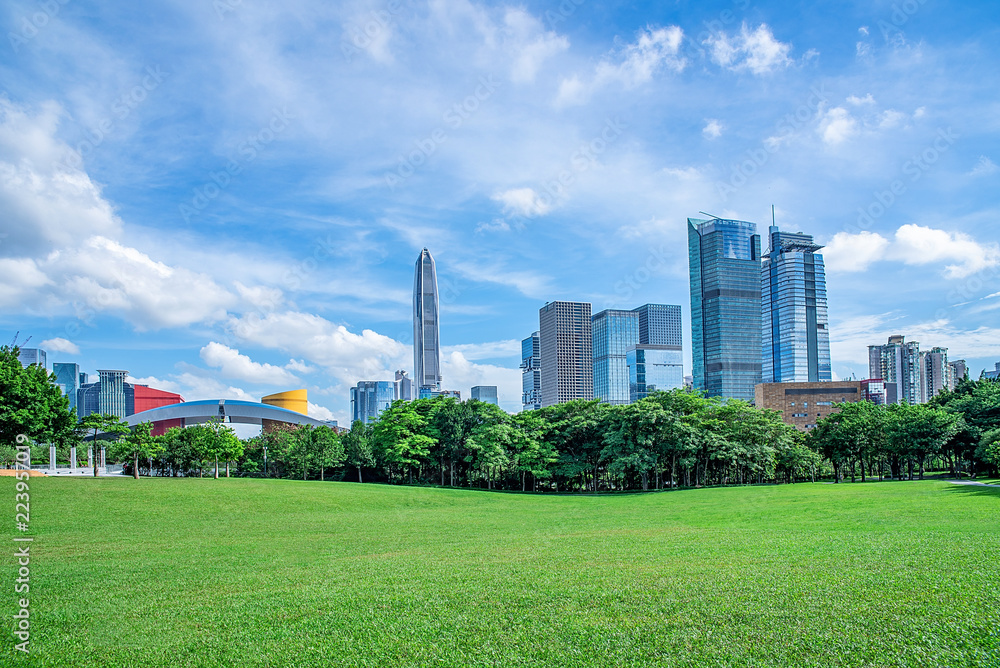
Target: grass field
[{"x": 178, "y": 572}]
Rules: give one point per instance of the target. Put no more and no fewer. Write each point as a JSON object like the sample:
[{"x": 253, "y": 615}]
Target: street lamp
[{"x": 265, "y": 461}]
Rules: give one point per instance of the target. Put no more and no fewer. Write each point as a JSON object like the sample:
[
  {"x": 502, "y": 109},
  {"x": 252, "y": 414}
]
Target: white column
[
  {"x": 104, "y": 463},
  {"x": 52, "y": 457},
  {"x": 72, "y": 457},
  {"x": 90, "y": 457}
]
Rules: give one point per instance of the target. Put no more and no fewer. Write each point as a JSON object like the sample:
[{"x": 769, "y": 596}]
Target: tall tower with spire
[{"x": 426, "y": 334}]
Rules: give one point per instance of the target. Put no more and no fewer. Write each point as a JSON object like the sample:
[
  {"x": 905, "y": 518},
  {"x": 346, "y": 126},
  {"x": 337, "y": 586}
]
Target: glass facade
[
  {"x": 29, "y": 356},
  {"x": 68, "y": 380},
  {"x": 486, "y": 393},
  {"x": 652, "y": 368},
  {"x": 111, "y": 396},
  {"x": 724, "y": 264},
  {"x": 531, "y": 374},
  {"x": 426, "y": 333},
  {"x": 660, "y": 324},
  {"x": 795, "y": 333},
  {"x": 613, "y": 333},
  {"x": 369, "y": 398}
]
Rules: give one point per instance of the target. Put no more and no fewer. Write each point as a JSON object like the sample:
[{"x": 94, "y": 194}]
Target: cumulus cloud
[
  {"x": 912, "y": 245},
  {"x": 755, "y": 50},
  {"x": 523, "y": 202},
  {"x": 854, "y": 252},
  {"x": 489, "y": 350},
  {"x": 59, "y": 345},
  {"x": 232, "y": 364},
  {"x": 837, "y": 125},
  {"x": 859, "y": 101},
  {"x": 460, "y": 373},
  {"x": 712, "y": 129}
]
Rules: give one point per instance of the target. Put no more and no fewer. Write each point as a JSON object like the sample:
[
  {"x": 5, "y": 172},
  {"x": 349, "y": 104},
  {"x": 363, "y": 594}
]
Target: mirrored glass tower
[{"x": 426, "y": 335}]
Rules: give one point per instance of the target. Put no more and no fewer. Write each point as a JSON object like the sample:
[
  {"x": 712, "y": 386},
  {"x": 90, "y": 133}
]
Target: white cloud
[
  {"x": 527, "y": 282},
  {"x": 919, "y": 245},
  {"x": 837, "y": 125},
  {"x": 529, "y": 44},
  {"x": 300, "y": 366},
  {"x": 632, "y": 66},
  {"x": 495, "y": 225},
  {"x": 863, "y": 30},
  {"x": 523, "y": 202},
  {"x": 984, "y": 167},
  {"x": 322, "y": 413},
  {"x": 59, "y": 345},
  {"x": 854, "y": 252},
  {"x": 890, "y": 118},
  {"x": 232, "y": 364},
  {"x": 461, "y": 374},
  {"x": 756, "y": 50},
  {"x": 859, "y": 101},
  {"x": 712, "y": 129},
  {"x": 489, "y": 350}
]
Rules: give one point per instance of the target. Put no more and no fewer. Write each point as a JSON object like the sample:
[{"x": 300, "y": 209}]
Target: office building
[
  {"x": 111, "y": 395},
  {"x": 486, "y": 393},
  {"x": 724, "y": 264},
  {"x": 426, "y": 331},
  {"x": 795, "y": 335},
  {"x": 29, "y": 356},
  {"x": 404, "y": 386},
  {"x": 652, "y": 368},
  {"x": 428, "y": 393},
  {"x": 613, "y": 333},
  {"x": 531, "y": 373},
  {"x": 68, "y": 378},
  {"x": 876, "y": 391},
  {"x": 565, "y": 352},
  {"x": 369, "y": 398},
  {"x": 994, "y": 375},
  {"x": 654, "y": 330},
  {"x": 803, "y": 405}
]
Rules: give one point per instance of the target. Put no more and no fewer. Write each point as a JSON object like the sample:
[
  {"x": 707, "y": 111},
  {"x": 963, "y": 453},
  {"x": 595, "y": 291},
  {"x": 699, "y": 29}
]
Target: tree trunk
[
  {"x": 921, "y": 468},
  {"x": 862, "y": 469},
  {"x": 216, "y": 475},
  {"x": 645, "y": 480},
  {"x": 227, "y": 468},
  {"x": 322, "y": 472},
  {"x": 135, "y": 472},
  {"x": 359, "y": 475},
  {"x": 522, "y": 481}
]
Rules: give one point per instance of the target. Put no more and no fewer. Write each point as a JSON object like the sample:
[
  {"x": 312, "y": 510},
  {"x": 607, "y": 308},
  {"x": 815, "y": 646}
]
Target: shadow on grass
[{"x": 974, "y": 490}]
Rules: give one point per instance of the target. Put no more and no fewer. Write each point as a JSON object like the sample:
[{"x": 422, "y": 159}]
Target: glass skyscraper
[
  {"x": 652, "y": 368},
  {"x": 724, "y": 264},
  {"x": 613, "y": 333},
  {"x": 111, "y": 395},
  {"x": 426, "y": 334},
  {"x": 652, "y": 327},
  {"x": 795, "y": 333},
  {"x": 531, "y": 373},
  {"x": 369, "y": 398},
  {"x": 68, "y": 380},
  {"x": 29, "y": 356},
  {"x": 485, "y": 393}
]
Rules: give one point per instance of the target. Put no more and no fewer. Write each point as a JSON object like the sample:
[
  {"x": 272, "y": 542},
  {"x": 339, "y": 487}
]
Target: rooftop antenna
[
  {"x": 709, "y": 215},
  {"x": 773, "y": 224}
]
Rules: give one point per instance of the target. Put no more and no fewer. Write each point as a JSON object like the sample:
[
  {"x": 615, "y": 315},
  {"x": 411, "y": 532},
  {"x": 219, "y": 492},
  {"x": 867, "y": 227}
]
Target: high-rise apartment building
[
  {"x": 652, "y": 329},
  {"x": 613, "y": 332},
  {"x": 795, "y": 335},
  {"x": 486, "y": 393},
  {"x": 937, "y": 373},
  {"x": 724, "y": 264},
  {"x": 959, "y": 371},
  {"x": 29, "y": 356},
  {"x": 369, "y": 398},
  {"x": 565, "y": 352},
  {"x": 898, "y": 363},
  {"x": 68, "y": 380},
  {"x": 531, "y": 373},
  {"x": 426, "y": 331},
  {"x": 404, "y": 386}
]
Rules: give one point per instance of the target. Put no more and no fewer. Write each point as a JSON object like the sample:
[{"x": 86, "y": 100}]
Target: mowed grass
[{"x": 189, "y": 572}]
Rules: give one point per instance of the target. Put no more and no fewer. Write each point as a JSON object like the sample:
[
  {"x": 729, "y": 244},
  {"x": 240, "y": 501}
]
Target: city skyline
[{"x": 240, "y": 226}]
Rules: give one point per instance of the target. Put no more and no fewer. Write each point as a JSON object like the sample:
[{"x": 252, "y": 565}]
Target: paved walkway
[{"x": 972, "y": 482}]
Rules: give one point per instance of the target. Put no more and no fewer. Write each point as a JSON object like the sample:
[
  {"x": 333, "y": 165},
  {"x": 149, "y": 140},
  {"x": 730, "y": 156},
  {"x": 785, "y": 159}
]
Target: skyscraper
[
  {"x": 485, "y": 393},
  {"x": 111, "y": 396},
  {"x": 937, "y": 373},
  {"x": 369, "y": 398},
  {"x": 68, "y": 380},
  {"x": 29, "y": 356},
  {"x": 724, "y": 265},
  {"x": 565, "y": 354},
  {"x": 531, "y": 373},
  {"x": 898, "y": 363},
  {"x": 613, "y": 332},
  {"x": 795, "y": 334},
  {"x": 426, "y": 334},
  {"x": 404, "y": 386},
  {"x": 653, "y": 367}
]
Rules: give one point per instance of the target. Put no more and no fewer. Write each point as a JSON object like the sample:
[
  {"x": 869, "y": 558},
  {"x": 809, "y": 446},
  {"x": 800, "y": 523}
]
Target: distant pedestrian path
[{"x": 972, "y": 482}]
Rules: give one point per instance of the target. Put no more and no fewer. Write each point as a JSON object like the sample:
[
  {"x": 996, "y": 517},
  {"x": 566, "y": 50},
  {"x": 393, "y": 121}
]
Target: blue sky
[{"x": 227, "y": 198}]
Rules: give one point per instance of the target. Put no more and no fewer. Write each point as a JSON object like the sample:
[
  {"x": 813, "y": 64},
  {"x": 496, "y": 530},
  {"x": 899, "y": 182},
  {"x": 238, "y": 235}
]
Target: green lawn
[{"x": 174, "y": 572}]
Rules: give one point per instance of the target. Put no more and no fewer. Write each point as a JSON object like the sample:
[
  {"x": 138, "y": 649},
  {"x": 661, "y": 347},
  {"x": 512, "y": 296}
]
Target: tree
[
  {"x": 137, "y": 443},
  {"x": 106, "y": 423},
  {"x": 401, "y": 435},
  {"x": 328, "y": 448},
  {"x": 31, "y": 403},
  {"x": 358, "y": 448}
]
